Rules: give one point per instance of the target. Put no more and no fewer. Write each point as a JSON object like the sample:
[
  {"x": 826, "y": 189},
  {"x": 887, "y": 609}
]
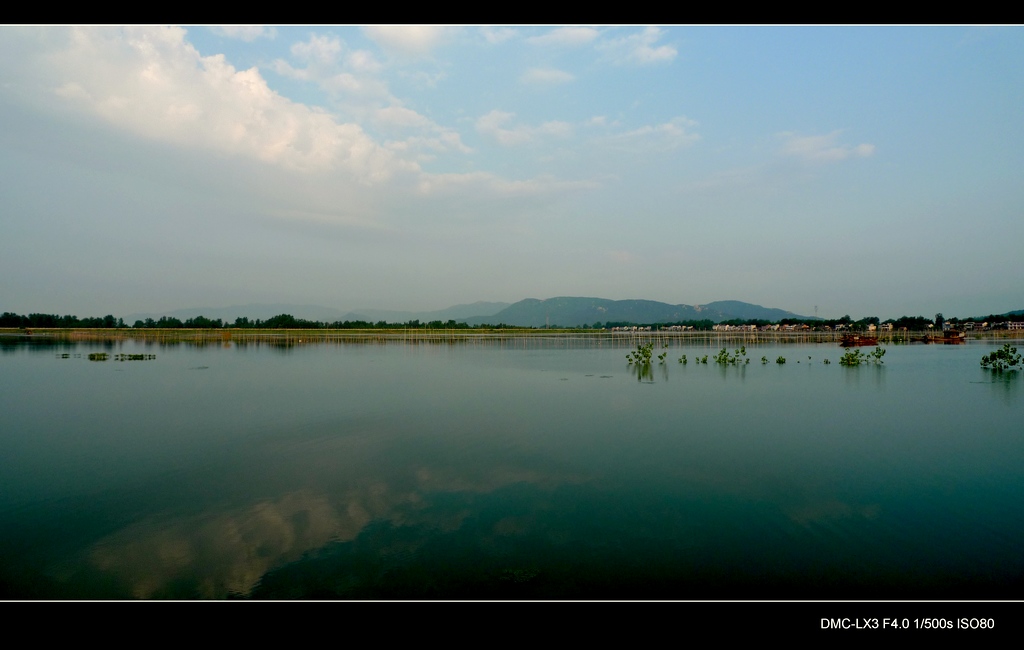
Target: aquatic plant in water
[
  {"x": 642, "y": 354},
  {"x": 781, "y": 360},
  {"x": 855, "y": 357},
  {"x": 682, "y": 359},
  {"x": 725, "y": 358},
  {"x": 1005, "y": 358}
]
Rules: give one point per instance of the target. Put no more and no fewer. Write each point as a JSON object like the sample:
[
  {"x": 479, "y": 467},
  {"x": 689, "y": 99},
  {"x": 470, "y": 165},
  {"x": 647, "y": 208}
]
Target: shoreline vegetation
[
  {"x": 285, "y": 329},
  {"x": 204, "y": 336},
  {"x": 10, "y": 320}
]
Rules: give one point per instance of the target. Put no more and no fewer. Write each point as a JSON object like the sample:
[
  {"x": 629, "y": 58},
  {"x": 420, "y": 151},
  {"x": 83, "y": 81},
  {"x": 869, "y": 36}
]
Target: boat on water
[
  {"x": 856, "y": 340},
  {"x": 949, "y": 337}
]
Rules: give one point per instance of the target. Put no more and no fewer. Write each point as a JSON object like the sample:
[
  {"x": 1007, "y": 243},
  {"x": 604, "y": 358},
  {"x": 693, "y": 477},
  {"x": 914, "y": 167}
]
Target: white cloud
[
  {"x": 152, "y": 82},
  {"x": 639, "y": 49},
  {"x": 424, "y": 148},
  {"x": 363, "y": 61},
  {"x": 495, "y": 35},
  {"x": 423, "y": 79},
  {"x": 673, "y": 134},
  {"x": 493, "y": 124},
  {"x": 347, "y": 75},
  {"x": 431, "y": 136},
  {"x": 488, "y": 184},
  {"x": 247, "y": 33},
  {"x": 822, "y": 148},
  {"x": 358, "y": 87},
  {"x": 545, "y": 77},
  {"x": 503, "y": 129},
  {"x": 556, "y": 128},
  {"x": 407, "y": 40},
  {"x": 401, "y": 117},
  {"x": 565, "y": 36},
  {"x": 321, "y": 50}
]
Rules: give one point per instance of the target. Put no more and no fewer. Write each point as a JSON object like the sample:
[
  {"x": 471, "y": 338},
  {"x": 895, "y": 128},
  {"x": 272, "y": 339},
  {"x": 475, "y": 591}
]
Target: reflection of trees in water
[
  {"x": 643, "y": 372},
  {"x": 1008, "y": 386}
]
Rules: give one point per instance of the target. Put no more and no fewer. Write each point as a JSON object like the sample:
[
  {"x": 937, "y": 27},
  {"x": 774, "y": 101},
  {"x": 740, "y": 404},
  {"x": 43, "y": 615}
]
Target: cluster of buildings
[
  {"x": 801, "y": 327},
  {"x": 976, "y": 326},
  {"x": 797, "y": 327}
]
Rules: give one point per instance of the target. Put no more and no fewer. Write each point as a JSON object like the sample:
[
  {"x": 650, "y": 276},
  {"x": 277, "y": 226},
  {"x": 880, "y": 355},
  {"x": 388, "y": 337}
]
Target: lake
[{"x": 520, "y": 468}]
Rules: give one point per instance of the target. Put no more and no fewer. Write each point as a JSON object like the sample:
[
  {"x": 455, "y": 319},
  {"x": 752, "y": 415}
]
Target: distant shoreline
[{"x": 461, "y": 334}]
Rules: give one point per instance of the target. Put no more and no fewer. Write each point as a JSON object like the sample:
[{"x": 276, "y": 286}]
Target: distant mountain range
[
  {"x": 324, "y": 314},
  {"x": 571, "y": 312},
  {"x": 457, "y": 313},
  {"x": 562, "y": 311},
  {"x": 253, "y": 311}
]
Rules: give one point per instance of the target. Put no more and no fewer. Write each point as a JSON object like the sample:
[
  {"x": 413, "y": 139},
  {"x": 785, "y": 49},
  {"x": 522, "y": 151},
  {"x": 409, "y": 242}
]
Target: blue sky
[{"x": 863, "y": 170}]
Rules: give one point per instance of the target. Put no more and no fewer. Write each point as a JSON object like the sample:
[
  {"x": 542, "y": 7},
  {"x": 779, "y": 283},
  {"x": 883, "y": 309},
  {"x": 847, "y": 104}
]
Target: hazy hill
[
  {"x": 325, "y": 314},
  {"x": 747, "y": 311},
  {"x": 252, "y": 312},
  {"x": 565, "y": 311},
  {"x": 570, "y": 312},
  {"x": 456, "y": 312}
]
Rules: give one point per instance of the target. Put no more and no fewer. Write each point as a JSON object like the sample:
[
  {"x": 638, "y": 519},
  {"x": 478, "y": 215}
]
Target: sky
[{"x": 868, "y": 171}]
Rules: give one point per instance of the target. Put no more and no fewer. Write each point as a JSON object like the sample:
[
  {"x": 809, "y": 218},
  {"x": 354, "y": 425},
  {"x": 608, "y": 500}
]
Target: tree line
[
  {"x": 281, "y": 321},
  {"x": 287, "y": 321},
  {"x": 9, "y": 319}
]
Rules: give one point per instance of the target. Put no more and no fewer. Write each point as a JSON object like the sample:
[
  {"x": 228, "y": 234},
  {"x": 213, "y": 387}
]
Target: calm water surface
[{"x": 507, "y": 470}]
